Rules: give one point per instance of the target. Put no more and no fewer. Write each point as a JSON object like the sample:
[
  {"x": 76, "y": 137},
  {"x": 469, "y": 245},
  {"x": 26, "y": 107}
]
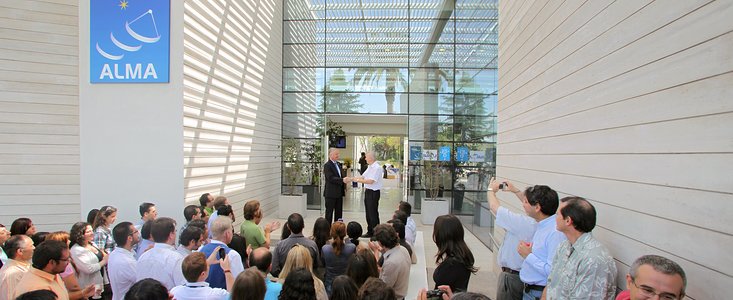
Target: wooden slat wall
[
  {"x": 232, "y": 100},
  {"x": 39, "y": 113},
  {"x": 629, "y": 104}
]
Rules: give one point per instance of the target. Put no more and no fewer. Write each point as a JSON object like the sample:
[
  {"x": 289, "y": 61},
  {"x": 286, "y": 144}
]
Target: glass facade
[{"x": 434, "y": 61}]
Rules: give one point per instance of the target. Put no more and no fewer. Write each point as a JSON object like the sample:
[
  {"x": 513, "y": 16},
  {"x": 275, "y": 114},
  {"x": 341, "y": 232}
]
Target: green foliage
[
  {"x": 432, "y": 175},
  {"x": 291, "y": 153}
]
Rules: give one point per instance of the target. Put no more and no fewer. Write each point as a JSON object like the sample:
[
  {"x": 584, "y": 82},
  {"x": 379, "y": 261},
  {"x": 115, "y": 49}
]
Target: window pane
[
  {"x": 475, "y": 104},
  {"x": 477, "y": 9},
  {"x": 476, "y": 56},
  {"x": 422, "y": 31},
  {"x": 430, "y": 128},
  {"x": 304, "y": 55},
  {"x": 476, "y": 81},
  {"x": 431, "y": 80},
  {"x": 431, "y": 55},
  {"x": 366, "y": 9},
  {"x": 304, "y": 31},
  {"x": 474, "y": 129},
  {"x": 367, "y": 31},
  {"x": 350, "y": 102},
  {"x": 431, "y": 104},
  {"x": 304, "y": 9},
  {"x": 367, "y": 55},
  {"x": 302, "y": 125},
  {"x": 476, "y": 32},
  {"x": 302, "y": 102},
  {"x": 431, "y": 9},
  {"x": 303, "y": 79}
]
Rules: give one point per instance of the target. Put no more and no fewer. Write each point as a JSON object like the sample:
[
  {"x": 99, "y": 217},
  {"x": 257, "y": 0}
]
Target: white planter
[
  {"x": 288, "y": 204},
  {"x": 431, "y": 209}
]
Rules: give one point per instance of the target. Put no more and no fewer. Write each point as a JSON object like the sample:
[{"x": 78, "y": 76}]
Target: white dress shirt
[
  {"x": 198, "y": 291},
  {"x": 183, "y": 250},
  {"x": 87, "y": 265},
  {"x": 235, "y": 259},
  {"x": 161, "y": 263},
  {"x": 122, "y": 272},
  {"x": 211, "y": 222},
  {"x": 518, "y": 227},
  {"x": 374, "y": 172},
  {"x": 410, "y": 230}
]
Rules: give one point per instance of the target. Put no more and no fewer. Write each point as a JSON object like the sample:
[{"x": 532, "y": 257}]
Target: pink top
[
  {"x": 68, "y": 272},
  {"x": 625, "y": 295}
]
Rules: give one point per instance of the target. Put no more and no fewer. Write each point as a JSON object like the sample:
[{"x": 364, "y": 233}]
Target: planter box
[
  {"x": 433, "y": 208},
  {"x": 288, "y": 204}
]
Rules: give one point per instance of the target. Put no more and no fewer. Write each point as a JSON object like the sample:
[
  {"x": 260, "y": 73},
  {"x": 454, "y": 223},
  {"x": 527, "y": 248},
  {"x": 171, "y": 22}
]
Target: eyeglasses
[
  {"x": 649, "y": 292},
  {"x": 64, "y": 259}
]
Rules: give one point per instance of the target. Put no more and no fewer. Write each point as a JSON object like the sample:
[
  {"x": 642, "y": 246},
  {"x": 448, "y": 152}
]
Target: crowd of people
[{"x": 547, "y": 253}]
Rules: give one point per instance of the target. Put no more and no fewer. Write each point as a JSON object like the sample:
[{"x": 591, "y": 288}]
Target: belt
[
  {"x": 533, "y": 287},
  {"x": 509, "y": 270},
  {"x": 371, "y": 190}
]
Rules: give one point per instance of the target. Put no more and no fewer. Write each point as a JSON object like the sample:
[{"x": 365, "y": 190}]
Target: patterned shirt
[
  {"x": 103, "y": 239},
  {"x": 584, "y": 270}
]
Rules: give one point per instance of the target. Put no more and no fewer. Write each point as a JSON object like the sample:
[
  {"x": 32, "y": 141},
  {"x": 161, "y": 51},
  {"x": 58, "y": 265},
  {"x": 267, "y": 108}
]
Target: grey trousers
[{"x": 510, "y": 287}]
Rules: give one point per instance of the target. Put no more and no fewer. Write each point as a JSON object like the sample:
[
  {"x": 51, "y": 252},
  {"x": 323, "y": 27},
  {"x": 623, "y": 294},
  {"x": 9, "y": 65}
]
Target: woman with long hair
[
  {"x": 344, "y": 288},
  {"x": 454, "y": 259},
  {"x": 88, "y": 259},
  {"x": 362, "y": 266},
  {"x": 249, "y": 285},
  {"x": 69, "y": 275},
  {"x": 300, "y": 257},
  {"x": 102, "y": 232},
  {"x": 321, "y": 229},
  {"x": 336, "y": 254},
  {"x": 23, "y": 226},
  {"x": 299, "y": 285}
]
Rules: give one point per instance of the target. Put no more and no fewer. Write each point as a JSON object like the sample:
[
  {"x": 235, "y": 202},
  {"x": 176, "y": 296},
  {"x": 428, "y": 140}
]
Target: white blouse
[{"x": 87, "y": 265}]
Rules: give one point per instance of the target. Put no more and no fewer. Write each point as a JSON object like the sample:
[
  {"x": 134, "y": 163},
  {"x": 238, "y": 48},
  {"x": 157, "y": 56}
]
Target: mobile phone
[
  {"x": 222, "y": 253},
  {"x": 435, "y": 294},
  {"x": 503, "y": 185}
]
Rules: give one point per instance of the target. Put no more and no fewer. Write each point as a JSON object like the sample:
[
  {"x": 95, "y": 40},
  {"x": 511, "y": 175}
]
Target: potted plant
[
  {"x": 433, "y": 205},
  {"x": 291, "y": 201}
]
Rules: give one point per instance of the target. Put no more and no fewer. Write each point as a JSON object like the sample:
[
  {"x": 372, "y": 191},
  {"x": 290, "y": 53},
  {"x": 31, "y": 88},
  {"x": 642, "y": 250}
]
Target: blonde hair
[{"x": 300, "y": 257}]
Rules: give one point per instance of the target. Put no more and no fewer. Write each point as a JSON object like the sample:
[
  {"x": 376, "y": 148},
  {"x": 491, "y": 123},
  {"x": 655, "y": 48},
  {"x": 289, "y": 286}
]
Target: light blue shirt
[
  {"x": 211, "y": 221},
  {"x": 538, "y": 264},
  {"x": 273, "y": 289},
  {"x": 518, "y": 227}
]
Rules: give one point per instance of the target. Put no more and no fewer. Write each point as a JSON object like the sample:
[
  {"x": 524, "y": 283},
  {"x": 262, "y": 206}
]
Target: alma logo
[{"x": 130, "y": 72}]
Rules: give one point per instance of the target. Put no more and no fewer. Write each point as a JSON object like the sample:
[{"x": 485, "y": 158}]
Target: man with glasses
[
  {"x": 50, "y": 259},
  {"x": 20, "y": 251},
  {"x": 653, "y": 275},
  {"x": 122, "y": 263}
]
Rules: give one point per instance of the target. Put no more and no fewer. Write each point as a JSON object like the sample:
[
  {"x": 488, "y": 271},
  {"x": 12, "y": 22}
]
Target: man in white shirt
[
  {"x": 410, "y": 226},
  {"x": 162, "y": 262},
  {"x": 372, "y": 180},
  {"x": 20, "y": 251},
  {"x": 190, "y": 240},
  {"x": 223, "y": 232},
  {"x": 122, "y": 264},
  {"x": 195, "y": 268}
]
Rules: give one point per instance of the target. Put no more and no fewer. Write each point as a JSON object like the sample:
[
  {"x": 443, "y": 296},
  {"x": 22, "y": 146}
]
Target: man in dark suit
[{"x": 335, "y": 188}]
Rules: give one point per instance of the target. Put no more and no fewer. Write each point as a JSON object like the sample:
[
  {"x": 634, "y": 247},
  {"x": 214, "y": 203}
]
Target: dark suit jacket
[{"x": 334, "y": 186}]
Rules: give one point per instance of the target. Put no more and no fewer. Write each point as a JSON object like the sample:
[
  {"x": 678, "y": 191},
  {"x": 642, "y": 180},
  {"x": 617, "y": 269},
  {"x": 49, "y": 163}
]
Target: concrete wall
[{"x": 628, "y": 104}]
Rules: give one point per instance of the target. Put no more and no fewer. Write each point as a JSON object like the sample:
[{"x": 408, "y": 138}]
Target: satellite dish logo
[{"x": 129, "y": 41}]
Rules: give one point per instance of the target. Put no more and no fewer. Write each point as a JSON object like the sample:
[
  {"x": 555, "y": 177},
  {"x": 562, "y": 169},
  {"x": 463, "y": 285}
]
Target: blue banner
[
  {"x": 415, "y": 153},
  {"x": 129, "y": 41},
  {"x": 444, "y": 153},
  {"x": 462, "y": 154}
]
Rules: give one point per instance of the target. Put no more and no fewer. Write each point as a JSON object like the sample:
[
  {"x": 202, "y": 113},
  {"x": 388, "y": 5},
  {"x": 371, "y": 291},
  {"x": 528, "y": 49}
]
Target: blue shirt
[
  {"x": 538, "y": 264},
  {"x": 273, "y": 289},
  {"x": 211, "y": 221},
  {"x": 518, "y": 227}
]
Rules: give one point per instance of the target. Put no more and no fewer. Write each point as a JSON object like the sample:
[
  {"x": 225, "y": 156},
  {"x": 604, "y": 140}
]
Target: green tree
[{"x": 338, "y": 97}]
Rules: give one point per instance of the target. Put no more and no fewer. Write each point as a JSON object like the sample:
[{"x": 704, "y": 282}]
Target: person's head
[
  {"x": 192, "y": 237},
  {"x": 469, "y": 296},
  {"x": 386, "y": 236},
  {"x": 191, "y": 212},
  {"x": 194, "y": 267},
  {"x": 147, "y": 289},
  {"x": 298, "y": 285},
  {"x": 653, "y": 274},
  {"x": 249, "y": 285},
  {"x": 261, "y": 258},
  {"x": 221, "y": 230},
  {"x": 333, "y": 154},
  {"x": 92, "y": 215},
  {"x": 343, "y": 288},
  {"x": 448, "y": 236},
  {"x": 542, "y": 201},
  {"x": 220, "y": 201},
  {"x": 4, "y": 234},
  {"x": 354, "y": 231},
  {"x": 284, "y": 233},
  {"x": 125, "y": 235},
  {"x": 298, "y": 257},
  {"x": 337, "y": 234},
  {"x": 81, "y": 233},
  {"x": 363, "y": 154},
  {"x": 51, "y": 257},
  {"x": 399, "y": 227},
  {"x": 200, "y": 223},
  {"x": 105, "y": 217},
  {"x": 226, "y": 210},
  {"x": 405, "y": 207},
  {"x": 23, "y": 226},
  {"x": 321, "y": 229},
  {"x": 376, "y": 289},
  {"x": 252, "y": 210},
  {"x": 19, "y": 247},
  {"x": 39, "y": 237},
  {"x": 206, "y": 199},
  {"x": 38, "y": 295},
  {"x": 295, "y": 223},
  {"x": 145, "y": 230},
  {"x": 148, "y": 211},
  {"x": 370, "y": 158},
  {"x": 361, "y": 266},
  {"x": 163, "y": 230},
  {"x": 400, "y": 215},
  {"x": 575, "y": 214},
  {"x": 61, "y": 236}
]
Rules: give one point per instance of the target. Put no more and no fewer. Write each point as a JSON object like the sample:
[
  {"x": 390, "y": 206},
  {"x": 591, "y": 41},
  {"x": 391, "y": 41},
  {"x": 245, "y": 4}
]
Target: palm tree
[{"x": 373, "y": 76}]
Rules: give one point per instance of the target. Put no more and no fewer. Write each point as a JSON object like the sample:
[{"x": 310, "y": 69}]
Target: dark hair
[
  {"x": 104, "y": 212},
  {"x": 544, "y": 196},
  {"x": 284, "y": 233},
  {"x": 20, "y": 226},
  {"x": 162, "y": 228},
  {"x": 399, "y": 227},
  {"x": 12, "y": 245},
  {"x": 321, "y": 232},
  {"x": 343, "y": 288},
  {"x": 189, "y": 212},
  {"x": 400, "y": 215},
  {"x": 38, "y": 295},
  {"x": 204, "y": 199},
  {"x": 405, "y": 207},
  {"x": 448, "y": 236},
  {"x": 92, "y": 215},
  {"x": 469, "y": 296},
  {"x": 48, "y": 251},
  {"x": 191, "y": 233},
  {"x": 580, "y": 211},
  {"x": 386, "y": 235},
  {"x": 354, "y": 231},
  {"x": 262, "y": 262},
  {"x": 39, "y": 237},
  {"x": 338, "y": 232},
  {"x": 660, "y": 264},
  {"x": 224, "y": 210},
  {"x": 147, "y": 289},
  {"x": 249, "y": 285},
  {"x": 121, "y": 232},
  {"x": 250, "y": 209},
  {"x": 376, "y": 289},
  {"x": 145, "y": 230},
  {"x": 298, "y": 285},
  {"x": 362, "y": 265},
  {"x": 193, "y": 265},
  {"x": 296, "y": 223},
  {"x": 76, "y": 233},
  {"x": 145, "y": 207},
  {"x": 201, "y": 224}
]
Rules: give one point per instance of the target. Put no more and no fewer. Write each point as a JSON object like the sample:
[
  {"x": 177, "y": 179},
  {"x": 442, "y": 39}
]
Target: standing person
[
  {"x": 363, "y": 165},
  {"x": 88, "y": 259},
  {"x": 20, "y": 251},
  {"x": 222, "y": 232},
  {"x": 148, "y": 212},
  {"x": 102, "y": 232},
  {"x": 518, "y": 227},
  {"x": 4, "y": 235},
  {"x": 654, "y": 275},
  {"x": 334, "y": 187},
  {"x": 49, "y": 260},
  {"x": 162, "y": 262},
  {"x": 218, "y": 203},
  {"x": 69, "y": 275},
  {"x": 454, "y": 259},
  {"x": 207, "y": 205},
  {"x": 122, "y": 263},
  {"x": 372, "y": 180},
  {"x": 190, "y": 240},
  {"x": 582, "y": 267},
  {"x": 254, "y": 235}
]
